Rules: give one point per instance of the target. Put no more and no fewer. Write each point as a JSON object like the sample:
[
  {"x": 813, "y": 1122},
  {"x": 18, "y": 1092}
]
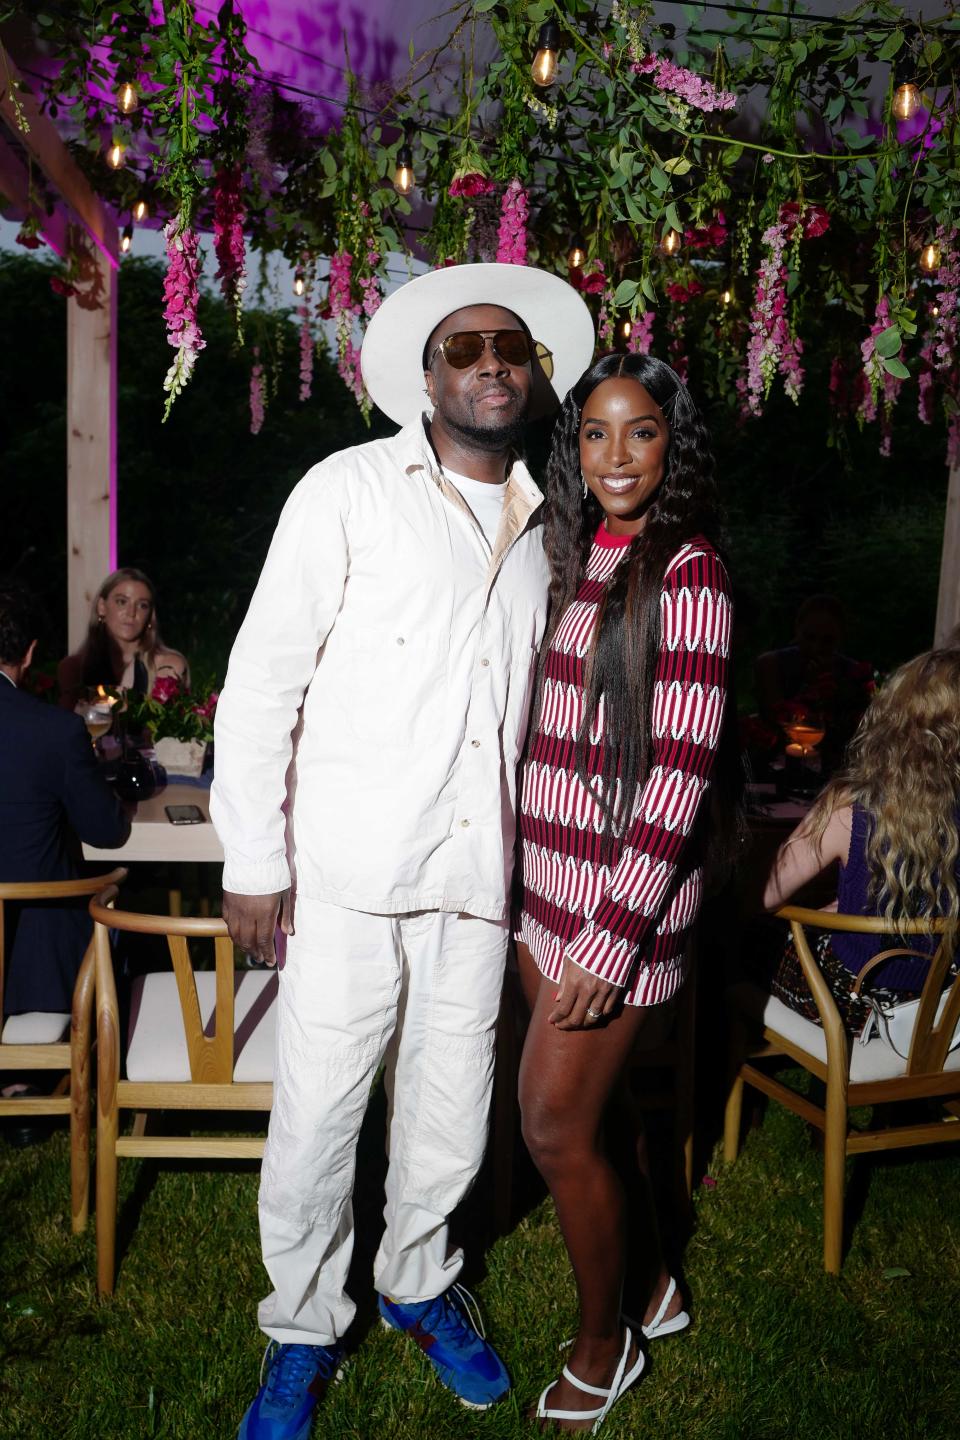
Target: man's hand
[
  {"x": 252, "y": 921},
  {"x": 582, "y": 999}
]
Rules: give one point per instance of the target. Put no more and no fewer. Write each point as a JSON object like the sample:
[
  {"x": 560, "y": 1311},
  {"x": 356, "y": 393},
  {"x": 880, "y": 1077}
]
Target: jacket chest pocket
[{"x": 395, "y": 684}]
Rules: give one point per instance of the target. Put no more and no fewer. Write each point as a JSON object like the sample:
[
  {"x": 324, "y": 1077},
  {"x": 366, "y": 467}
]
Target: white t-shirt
[{"x": 484, "y": 499}]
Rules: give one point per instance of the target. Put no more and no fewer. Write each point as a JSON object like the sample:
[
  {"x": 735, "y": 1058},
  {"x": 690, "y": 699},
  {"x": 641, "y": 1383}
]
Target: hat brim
[{"x": 391, "y": 358}]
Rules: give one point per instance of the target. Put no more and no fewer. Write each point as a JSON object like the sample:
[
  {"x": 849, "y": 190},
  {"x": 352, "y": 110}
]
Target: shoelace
[
  {"x": 444, "y": 1314},
  {"x": 297, "y": 1367}
]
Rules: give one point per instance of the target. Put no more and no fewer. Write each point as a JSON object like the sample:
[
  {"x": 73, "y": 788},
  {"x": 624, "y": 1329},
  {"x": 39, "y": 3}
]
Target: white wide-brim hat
[{"x": 391, "y": 357}]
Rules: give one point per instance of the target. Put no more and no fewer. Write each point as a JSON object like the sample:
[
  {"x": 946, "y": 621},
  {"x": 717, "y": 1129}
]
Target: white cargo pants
[{"x": 352, "y": 982}]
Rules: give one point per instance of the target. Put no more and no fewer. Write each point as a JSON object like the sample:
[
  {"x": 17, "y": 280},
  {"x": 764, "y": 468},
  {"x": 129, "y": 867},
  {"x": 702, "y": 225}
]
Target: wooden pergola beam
[
  {"x": 91, "y": 343},
  {"x": 47, "y": 149},
  {"x": 15, "y": 188}
]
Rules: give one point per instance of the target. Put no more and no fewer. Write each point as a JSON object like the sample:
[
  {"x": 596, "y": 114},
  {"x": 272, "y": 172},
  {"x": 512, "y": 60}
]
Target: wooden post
[
  {"x": 91, "y": 439},
  {"x": 948, "y": 599}
]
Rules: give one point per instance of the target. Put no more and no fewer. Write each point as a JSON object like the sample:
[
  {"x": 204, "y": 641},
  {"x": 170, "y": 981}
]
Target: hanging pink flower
[
  {"x": 470, "y": 184},
  {"x": 771, "y": 347},
  {"x": 926, "y": 403},
  {"x": 680, "y": 293},
  {"x": 685, "y": 84},
  {"x": 708, "y": 237},
  {"x": 814, "y": 219},
  {"x": 181, "y": 296},
  {"x": 947, "y": 331},
  {"x": 306, "y": 349},
  {"x": 879, "y": 384},
  {"x": 59, "y": 286},
  {"x": 953, "y": 440},
  {"x": 512, "y": 236},
  {"x": 257, "y": 394},
  {"x": 591, "y": 279},
  {"x": 229, "y": 214},
  {"x": 641, "y": 334}
]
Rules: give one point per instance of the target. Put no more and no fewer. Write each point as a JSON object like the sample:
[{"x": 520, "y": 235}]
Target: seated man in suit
[{"x": 49, "y": 787}]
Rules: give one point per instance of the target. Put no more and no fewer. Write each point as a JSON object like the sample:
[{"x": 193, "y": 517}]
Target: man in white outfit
[{"x": 367, "y": 739}]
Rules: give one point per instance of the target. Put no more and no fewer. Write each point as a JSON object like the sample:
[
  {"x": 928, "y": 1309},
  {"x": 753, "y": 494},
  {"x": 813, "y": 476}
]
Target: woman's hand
[{"x": 582, "y": 999}]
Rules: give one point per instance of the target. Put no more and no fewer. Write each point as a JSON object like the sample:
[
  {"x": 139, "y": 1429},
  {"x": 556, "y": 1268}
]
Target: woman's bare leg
[{"x": 566, "y": 1079}]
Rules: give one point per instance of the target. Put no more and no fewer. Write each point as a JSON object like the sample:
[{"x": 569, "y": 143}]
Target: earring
[{"x": 583, "y": 484}]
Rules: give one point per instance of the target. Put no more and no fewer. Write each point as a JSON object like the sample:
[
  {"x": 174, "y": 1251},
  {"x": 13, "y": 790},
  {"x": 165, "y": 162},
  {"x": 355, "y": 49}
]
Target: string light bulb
[
  {"x": 670, "y": 242},
  {"x": 577, "y": 254},
  {"x": 126, "y": 239},
  {"x": 141, "y": 211},
  {"x": 298, "y": 285},
  {"x": 907, "y": 100},
  {"x": 624, "y": 329},
  {"x": 115, "y": 155},
  {"x": 543, "y": 71},
  {"x": 128, "y": 98},
  {"x": 934, "y": 311},
  {"x": 404, "y": 178},
  {"x": 930, "y": 258},
  {"x": 726, "y": 297}
]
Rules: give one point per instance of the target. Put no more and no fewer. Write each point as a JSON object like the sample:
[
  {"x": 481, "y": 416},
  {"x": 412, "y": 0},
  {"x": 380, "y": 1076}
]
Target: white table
[{"x": 153, "y": 837}]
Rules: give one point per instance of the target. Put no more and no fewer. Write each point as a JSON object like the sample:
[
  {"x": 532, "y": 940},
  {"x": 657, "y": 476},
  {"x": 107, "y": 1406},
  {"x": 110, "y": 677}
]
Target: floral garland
[
  {"x": 512, "y": 236},
  {"x": 947, "y": 330},
  {"x": 686, "y": 85},
  {"x": 229, "y": 214},
  {"x": 769, "y": 330},
  {"x": 181, "y": 295}
]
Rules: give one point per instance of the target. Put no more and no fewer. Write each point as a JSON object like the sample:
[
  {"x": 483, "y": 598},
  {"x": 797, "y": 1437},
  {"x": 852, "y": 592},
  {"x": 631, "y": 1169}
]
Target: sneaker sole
[{"x": 467, "y": 1404}]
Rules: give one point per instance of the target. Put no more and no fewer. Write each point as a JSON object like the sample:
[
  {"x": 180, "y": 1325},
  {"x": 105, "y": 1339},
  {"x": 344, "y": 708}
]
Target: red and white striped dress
[{"x": 625, "y": 916}]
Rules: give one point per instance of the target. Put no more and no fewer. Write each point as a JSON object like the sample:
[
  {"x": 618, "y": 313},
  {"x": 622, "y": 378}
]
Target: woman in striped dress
[{"x": 613, "y": 819}]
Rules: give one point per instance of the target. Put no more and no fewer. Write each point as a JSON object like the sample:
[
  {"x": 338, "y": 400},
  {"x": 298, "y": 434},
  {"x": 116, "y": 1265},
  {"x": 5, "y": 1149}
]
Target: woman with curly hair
[
  {"x": 891, "y": 818},
  {"x": 123, "y": 647},
  {"x": 613, "y": 822}
]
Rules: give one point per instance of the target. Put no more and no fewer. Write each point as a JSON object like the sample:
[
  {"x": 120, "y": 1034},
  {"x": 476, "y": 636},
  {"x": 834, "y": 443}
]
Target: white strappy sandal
[
  {"x": 659, "y": 1327},
  {"x": 622, "y": 1381}
]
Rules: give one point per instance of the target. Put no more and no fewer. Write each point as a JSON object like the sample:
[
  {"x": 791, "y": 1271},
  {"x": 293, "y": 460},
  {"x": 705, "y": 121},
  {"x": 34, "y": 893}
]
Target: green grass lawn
[{"x": 777, "y": 1349}]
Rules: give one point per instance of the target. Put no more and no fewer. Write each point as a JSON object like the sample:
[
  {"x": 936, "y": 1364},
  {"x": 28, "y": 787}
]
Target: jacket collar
[{"x": 418, "y": 455}]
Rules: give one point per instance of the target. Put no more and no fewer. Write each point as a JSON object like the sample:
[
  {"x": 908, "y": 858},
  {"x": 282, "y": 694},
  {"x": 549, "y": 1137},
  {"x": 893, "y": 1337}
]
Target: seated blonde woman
[{"x": 123, "y": 648}]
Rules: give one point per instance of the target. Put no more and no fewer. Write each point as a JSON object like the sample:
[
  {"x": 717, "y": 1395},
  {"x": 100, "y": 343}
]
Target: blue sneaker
[
  {"x": 454, "y": 1345},
  {"x": 296, "y": 1383}
]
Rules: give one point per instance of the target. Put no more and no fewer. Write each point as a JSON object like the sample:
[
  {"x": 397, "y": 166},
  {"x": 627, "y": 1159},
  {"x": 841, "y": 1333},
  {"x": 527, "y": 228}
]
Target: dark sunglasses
[{"x": 464, "y": 347}]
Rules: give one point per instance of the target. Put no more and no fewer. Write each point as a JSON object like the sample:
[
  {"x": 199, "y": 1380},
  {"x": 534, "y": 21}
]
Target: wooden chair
[
  {"x": 854, "y": 1074},
  {"x": 198, "y": 1040},
  {"x": 45, "y": 1040}
]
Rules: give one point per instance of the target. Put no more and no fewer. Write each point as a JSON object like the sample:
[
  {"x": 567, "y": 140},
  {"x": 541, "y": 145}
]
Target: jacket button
[
  {"x": 484, "y": 661},
  {"x": 465, "y": 823},
  {"x": 475, "y": 744},
  {"x": 400, "y": 640}
]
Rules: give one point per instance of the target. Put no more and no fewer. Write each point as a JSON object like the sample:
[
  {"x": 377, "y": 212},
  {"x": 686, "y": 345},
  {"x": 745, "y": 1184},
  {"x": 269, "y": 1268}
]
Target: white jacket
[{"x": 411, "y": 650}]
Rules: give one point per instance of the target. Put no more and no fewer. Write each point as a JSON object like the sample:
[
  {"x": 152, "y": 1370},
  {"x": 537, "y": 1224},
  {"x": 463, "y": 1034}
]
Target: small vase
[{"x": 181, "y": 757}]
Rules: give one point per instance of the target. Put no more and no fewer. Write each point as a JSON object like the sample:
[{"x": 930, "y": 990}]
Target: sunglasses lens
[
  {"x": 511, "y": 346},
  {"x": 545, "y": 357},
  {"x": 463, "y": 348}
]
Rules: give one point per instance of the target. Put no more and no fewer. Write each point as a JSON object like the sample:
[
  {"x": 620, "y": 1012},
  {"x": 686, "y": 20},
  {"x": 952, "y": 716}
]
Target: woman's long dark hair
[{"x": 622, "y": 659}]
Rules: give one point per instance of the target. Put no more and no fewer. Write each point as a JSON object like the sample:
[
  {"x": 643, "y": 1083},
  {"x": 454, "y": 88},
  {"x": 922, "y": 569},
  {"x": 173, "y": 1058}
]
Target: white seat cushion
[
  {"x": 157, "y": 1042},
  {"x": 873, "y": 1061},
  {"x": 36, "y": 1027}
]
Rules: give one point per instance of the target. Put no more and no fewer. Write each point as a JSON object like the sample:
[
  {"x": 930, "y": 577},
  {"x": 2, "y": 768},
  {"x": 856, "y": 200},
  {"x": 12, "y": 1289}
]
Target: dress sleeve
[{"x": 689, "y": 697}]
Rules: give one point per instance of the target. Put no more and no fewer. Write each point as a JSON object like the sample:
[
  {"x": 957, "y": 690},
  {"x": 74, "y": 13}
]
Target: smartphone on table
[{"x": 184, "y": 814}]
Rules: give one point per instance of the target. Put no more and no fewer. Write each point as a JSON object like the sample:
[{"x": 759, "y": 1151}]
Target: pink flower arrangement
[
  {"x": 229, "y": 214},
  {"x": 257, "y": 394},
  {"x": 771, "y": 347},
  {"x": 165, "y": 687},
  {"x": 685, "y": 84},
  {"x": 181, "y": 295},
  {"x": 512, "y": 235}
]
